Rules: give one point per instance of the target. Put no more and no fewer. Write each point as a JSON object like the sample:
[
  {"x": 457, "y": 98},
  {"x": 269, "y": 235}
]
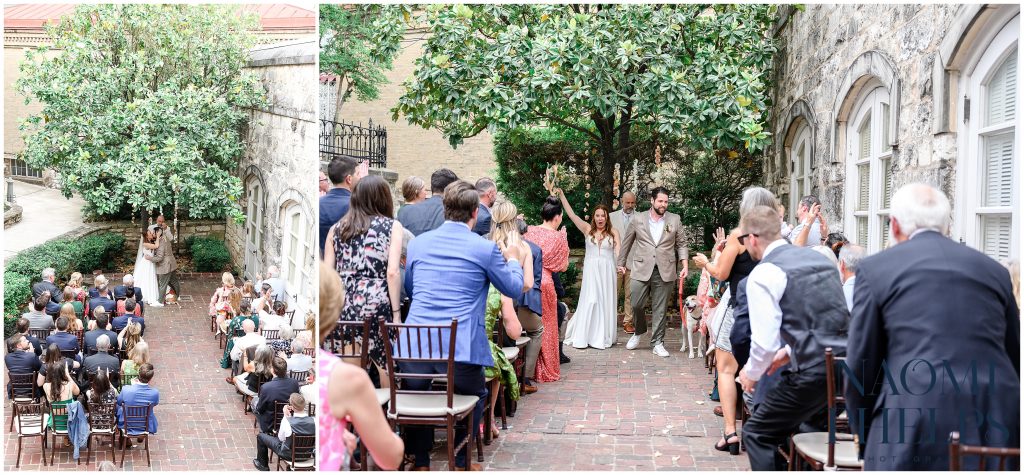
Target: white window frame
[
  {"x": 255, "y": 203},
  {"x": 968, "y": 209},
  {"x": 873, "y": 105},
  {"x": 295, "y": 258},
  {"x": 799, "y": 176}
]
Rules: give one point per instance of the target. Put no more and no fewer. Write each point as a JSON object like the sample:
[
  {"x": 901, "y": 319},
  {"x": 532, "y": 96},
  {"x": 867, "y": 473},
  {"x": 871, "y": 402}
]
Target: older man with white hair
[
  {"x": 49, "y": 276},
  {"x": 121, "y": 291},
  {"x": 849, "y": 258},
  {"x": 280, "y": 286},
  {"x": 936, "y": 323}
]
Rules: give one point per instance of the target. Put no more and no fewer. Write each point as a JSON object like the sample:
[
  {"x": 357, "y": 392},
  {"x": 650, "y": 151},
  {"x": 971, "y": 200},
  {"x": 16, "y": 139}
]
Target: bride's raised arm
[{"x": 582, "y": 225}]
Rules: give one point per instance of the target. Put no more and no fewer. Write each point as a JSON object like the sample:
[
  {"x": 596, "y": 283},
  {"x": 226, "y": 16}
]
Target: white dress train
[
  {"x": 594, "y": 323},
  {"x": 145, "y": 276}
]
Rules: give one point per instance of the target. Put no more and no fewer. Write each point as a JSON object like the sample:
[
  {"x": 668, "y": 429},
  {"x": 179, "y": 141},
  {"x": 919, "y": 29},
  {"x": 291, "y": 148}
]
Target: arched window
[
  {"x": 296, "y": 247},
  {"x": 988, "y": 178},
  {"x": 869, "y": 170},
  {"x": 801, "y": 181},
  {"x": 255, "y": 204}
]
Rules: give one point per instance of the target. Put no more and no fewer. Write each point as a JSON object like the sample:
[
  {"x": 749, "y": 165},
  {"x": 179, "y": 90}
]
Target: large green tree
[
  {"x": 696, "y": 73},
  {"x": 143, "y": 106},
  {"x": 358, "y": 43}
]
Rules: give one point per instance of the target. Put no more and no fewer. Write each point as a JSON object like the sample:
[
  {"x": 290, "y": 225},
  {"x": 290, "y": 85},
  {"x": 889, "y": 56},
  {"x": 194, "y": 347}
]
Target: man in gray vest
[
  {"x": 797, "y": 310},
  {"x": 295, "y": 421}
]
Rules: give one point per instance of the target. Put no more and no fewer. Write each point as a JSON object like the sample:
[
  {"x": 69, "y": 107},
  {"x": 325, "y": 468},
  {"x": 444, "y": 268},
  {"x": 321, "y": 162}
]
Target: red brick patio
[{"x": 202, "y": 426}]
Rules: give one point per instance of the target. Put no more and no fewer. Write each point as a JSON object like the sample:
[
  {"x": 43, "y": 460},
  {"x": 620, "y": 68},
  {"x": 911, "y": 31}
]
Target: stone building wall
[
  {"x": 827, "y": 55},
  {"x": 281, "y": 158},
  {"x": 413, "y": 150}
]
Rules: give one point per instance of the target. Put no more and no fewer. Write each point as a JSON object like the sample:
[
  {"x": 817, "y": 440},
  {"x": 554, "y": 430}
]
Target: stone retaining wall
[
  {"x": 12, "y": 216},
  {"x": 132, "y": 231}
]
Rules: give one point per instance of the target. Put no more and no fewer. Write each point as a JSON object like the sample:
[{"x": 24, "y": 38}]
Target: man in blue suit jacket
[
  {"x": 102, "y": 299},
  {"x": 334, "y": 205},
  {"x": 64, "y": 340},
  {"x": 428, "y": 214},
  {"x": 139, "y": 394},
  {"x": 448, "y": 274},
  {"x": 488, "y": 194},
  {"x": 936, "y": 323}
]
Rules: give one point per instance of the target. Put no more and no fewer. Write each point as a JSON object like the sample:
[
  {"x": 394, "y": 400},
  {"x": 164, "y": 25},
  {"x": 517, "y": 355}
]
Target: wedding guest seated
[
  {"x": 127, "y": 290},
  {"x": 118, "y": 323},
  {"x": 101, "y": 360},
  {"x": 296, "y": 421},
  {"x": 58, "y": 385},
  {"x": 122, "y": 305},
  {"x": 276, "y": 390},
  {"x": 256, "y": 371},
  {"x": 306, "y": 336},
  {"x": 140, "y": 393},
  {"x": 101, "y": 328},
  {"x": 282, "y": 346},
  {"x": 102, "y": 297},
  {"x": 299, "y": 361},
  {"x": 68, "y": 311},
  {"x": 75, "y": 286},
  {"x": 77, "y": 305},
  {"x": 22, "y": 327},
  {"x": 264, "y": 301},
  {"x": 250, "y": 339},
  {"x": 279, "y": 288},
  {"x": 101, "y": 391},
  {"x": 129, "y": 336},
  {"x": 53, "y": 358},
  {"x": 20, "y": 359},
  {"x": 275, "y": 320},
  {"x": 232, "y": 328},
  {"x": 64, "y": 340},
  {"x": 47, "y": 285},
  {"x": 221, "y": 299},
  {"x": 249, "y": 290},
  {"x": 138, "y": 356},
  {"x": 37, "y": 317}
]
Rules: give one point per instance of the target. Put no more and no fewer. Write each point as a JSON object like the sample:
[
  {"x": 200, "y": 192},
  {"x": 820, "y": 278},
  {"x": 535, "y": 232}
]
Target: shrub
[
  {"x": 17, "y": 291},
  {"x": 10, "y": 325},
  {"x": 209, "y": 254}
]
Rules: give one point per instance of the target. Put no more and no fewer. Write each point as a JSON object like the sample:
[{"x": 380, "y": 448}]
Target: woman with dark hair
[
  {"x": 835, "y": 242},
  {"x": 595, "y": 321},
  {"x": 555, "y": 258},
  {"x": 58, "y": 385},
  {"x": 101, "y": 391},
  {"x": 365, "y": 248}
]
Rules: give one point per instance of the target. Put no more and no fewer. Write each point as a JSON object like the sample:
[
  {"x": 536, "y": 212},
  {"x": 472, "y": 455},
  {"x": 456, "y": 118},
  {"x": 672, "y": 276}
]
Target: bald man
[{"x": 619, "y": 219}]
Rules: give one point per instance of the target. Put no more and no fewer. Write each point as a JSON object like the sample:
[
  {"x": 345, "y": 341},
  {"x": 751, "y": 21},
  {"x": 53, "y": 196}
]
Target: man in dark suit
[
  {"x": 121, "y": 291},
  {"x": 428, "y": 214},
  {"x": 101, "y": 329},
  {"x": 276, "y": 390},
  {"x": 344, "y": 173},
  {"x": 103, "y": 299},
  {"x": 101, "y": 361},
  {"x": 140, "y": 394},
  {"x": 22, "y": 327},
  {"x": 64, "y": 340},
  {"x": 47, "y": 285},
  {"x": 797, "y": 310},
  {"x": 934, "y": 343},
  {"x": 118, "y": 323},
  {"x": 488, "y": 193},
  {"x": 528, "y": 308},
  {"x": 20, "y": 359}
]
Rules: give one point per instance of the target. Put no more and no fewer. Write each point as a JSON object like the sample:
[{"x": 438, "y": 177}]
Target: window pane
[
  {"x": 885, "y": 126},
  {"x": 863, "y": 177},
  {"x": 864, "y": 150},
  {"x": 801, "y": 159},
  {"x": 1001, "y": 97},
  {"x": 995, "y": 235},
  {"x": 886, "y": 182},
  {"x": 884, "y": 221},
  {"x": 862, "y": 230},
  {"x": 998, "y": 170}
]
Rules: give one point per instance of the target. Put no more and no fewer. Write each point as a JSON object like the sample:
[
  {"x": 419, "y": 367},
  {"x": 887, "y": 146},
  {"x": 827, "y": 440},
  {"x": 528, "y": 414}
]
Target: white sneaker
[
  {"x": 634, "y": 341},
  {"x": 692, "y": 354},
  {"x": 660, "y": 351}
]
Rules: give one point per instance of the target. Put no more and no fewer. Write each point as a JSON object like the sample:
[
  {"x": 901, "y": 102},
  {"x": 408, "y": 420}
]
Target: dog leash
[{"x": 682, "y": 309}]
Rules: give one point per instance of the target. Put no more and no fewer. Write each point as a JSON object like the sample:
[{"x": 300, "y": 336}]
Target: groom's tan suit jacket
[
  {"x": 163, "y": 257},
  {"x": 639, "y": 253}
]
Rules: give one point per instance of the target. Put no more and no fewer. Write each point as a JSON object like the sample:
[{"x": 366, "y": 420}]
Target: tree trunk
[{"x": 344, "y": 89}]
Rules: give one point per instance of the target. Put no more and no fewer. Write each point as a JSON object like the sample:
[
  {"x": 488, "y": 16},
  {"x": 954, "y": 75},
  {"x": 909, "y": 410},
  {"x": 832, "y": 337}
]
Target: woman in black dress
[{"x": 365, "y": 247}]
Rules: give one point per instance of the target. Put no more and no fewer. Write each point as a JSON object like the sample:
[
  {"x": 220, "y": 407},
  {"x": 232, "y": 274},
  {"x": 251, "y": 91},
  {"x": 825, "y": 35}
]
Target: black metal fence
[{"x": 354, "y": 140}]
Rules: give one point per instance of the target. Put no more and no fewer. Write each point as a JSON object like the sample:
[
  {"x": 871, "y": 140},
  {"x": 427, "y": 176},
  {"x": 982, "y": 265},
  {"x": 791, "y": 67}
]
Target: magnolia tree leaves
[
  {"x": 694, "y": 72},
  {"x": 144, "y": 105}
]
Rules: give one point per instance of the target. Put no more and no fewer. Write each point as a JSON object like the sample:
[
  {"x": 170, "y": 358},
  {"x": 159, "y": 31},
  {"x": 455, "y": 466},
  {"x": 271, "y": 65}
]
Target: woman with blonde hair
[
  {"x": 137, "y": 356},
  {"x": 414, "y": 190},
  {"x": 130, "y": 336},
  {"x": 221, "y": 299},
  {"x": 67, "y": 310},
  {"x": 75, "y": 286}
]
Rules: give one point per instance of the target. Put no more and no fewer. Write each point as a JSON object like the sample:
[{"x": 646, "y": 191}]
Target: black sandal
[{"x": 732, "y": 447}]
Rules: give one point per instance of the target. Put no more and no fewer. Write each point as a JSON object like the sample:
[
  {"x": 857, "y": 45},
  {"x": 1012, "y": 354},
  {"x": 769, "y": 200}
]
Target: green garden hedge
[
  {"x": 209, "y": 254},
  {"x": 65, "y": 256}
]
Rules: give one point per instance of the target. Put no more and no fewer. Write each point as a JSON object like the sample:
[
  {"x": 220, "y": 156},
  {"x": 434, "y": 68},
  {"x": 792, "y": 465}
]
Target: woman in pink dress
[
  {"x": 555, "y": 254},
  {"x": 347, "y": 396}
]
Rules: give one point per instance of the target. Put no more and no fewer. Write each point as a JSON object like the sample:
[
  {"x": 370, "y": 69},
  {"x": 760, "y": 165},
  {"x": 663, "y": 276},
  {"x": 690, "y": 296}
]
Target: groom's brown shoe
[{"x": 629, "y": 328}]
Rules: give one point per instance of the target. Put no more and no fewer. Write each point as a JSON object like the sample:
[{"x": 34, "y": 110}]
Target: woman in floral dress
[
  {"x": 365, "y": 249},
  {"x": 555, "y": 253}
]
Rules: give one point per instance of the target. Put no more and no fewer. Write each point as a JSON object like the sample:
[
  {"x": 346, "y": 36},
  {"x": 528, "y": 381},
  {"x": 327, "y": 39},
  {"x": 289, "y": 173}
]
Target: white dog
[{"x": 691, "y": 326}]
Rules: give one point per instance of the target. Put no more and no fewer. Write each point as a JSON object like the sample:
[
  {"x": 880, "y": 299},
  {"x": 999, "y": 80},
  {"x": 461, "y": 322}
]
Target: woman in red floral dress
[{"x": 555, "y": 253}]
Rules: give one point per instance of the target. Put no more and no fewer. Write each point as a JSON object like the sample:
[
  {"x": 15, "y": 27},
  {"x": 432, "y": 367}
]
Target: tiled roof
[{"x": 273, "y": 16}]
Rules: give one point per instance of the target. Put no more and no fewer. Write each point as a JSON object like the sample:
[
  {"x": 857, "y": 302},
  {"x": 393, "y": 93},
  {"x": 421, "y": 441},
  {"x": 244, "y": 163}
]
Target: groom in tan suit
[
  {"x": 655, "y": 246},
  {"x": 166, "y": 264}
]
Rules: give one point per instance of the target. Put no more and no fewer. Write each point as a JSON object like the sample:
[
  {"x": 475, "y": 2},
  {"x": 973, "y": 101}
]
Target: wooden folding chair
[
  {"x": 30, "y": 419},
  {"x": 59, "y": 421},
  {"x": 828, "y": 450},
  {"x": 23, "y": 390},
  {"x": 958, "y": 452},
  {"x": 301, "y": 456},
  {"x": 102, "y": 423},
  {"x": 136, "y": 424}
]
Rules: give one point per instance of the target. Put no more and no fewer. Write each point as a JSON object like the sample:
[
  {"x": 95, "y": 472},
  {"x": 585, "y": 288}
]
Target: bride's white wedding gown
[
  {"x": 594, "y": 323},
  {"x": 145, "y": 276}
]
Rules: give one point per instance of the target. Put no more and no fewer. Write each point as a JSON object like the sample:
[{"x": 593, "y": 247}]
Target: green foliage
[
  {"x": 10, "y": 325},
  {"x": 17, "y": 291},
  {"x": 359, "y": 43},
  {"x": 209, "y": 254},
  {"x": 693, "y": 73},
  {"x": 65, "y": 256},
  {"x": 143, "y": 106},
  {"x": 691, "y": 283},
  {"x": 708, "y": 191}
]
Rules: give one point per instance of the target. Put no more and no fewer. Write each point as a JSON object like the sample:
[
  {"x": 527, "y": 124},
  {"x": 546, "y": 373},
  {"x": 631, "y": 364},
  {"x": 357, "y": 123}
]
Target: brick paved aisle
[
  {"x": 202, "y": 426},
  {"x": 615, "y": 409}
]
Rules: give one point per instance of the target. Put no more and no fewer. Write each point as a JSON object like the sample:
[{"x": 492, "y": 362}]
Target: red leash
[{"x": 682, "y": 316}]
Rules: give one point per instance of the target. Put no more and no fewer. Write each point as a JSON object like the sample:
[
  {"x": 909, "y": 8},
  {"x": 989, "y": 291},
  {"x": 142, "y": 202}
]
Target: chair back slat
[
  {"x": 349, "y": 341},
  {"x": 59, "y": 415},
  {"x": 39, "y": 333},
  {"x": 23, "y": 385},
  {"x": 958, "y": 451},
  {"x": 303, "y": 447},
  {"x": 427, "y": 337},
  {"x": 299, "y": 376},
  {"x": 102, "y": 417},
  {"x": 278, "y": 415},
  {"x": 272, "y": 334},
  {"x": 135, "y": 417},
  {"x": 30, "y": 416},
  {"x": 70, "y": 354}
]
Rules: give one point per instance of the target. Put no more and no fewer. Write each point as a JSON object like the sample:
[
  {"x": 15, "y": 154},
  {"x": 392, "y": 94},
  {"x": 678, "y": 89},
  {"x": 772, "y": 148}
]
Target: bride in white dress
[
  {"x": 145, "y": 270},
  {"x": 594, "y": 323}
]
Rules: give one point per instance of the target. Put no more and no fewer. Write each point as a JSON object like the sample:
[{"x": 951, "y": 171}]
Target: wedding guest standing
[
  {"x": 428, "y": 214},
  {"x": 620, "y": 218},
  {"x": 365, "y": 249},
  {"x": 414, "y": 190},
  {"x": 594, "y": 323},
  {"x": 930, "y": 300},
  {"x": 555, "y": 249},
  {"x": 344, "y": 173},
  {"x": 488, "y": 192}
]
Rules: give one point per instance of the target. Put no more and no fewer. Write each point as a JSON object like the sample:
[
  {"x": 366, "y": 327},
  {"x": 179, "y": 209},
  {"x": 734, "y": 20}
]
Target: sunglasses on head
[{"x": 743, "y": 237}]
